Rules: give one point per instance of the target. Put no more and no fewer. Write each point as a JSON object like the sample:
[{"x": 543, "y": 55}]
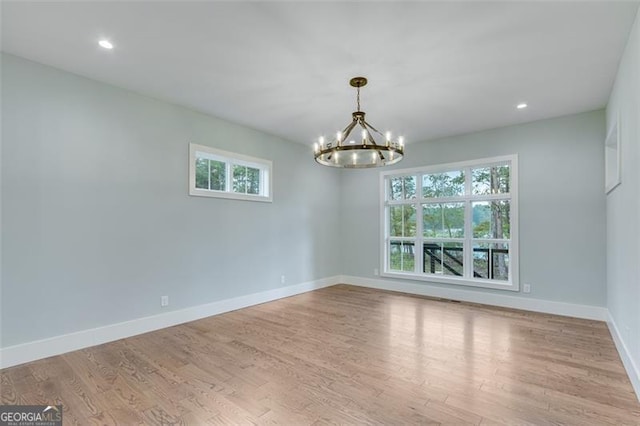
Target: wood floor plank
[{"x": 343, "y": 355}]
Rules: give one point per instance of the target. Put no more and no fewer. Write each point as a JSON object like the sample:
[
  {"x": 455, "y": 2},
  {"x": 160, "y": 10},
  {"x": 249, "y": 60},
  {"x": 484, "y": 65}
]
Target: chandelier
[{"x": 349, "y": 153}]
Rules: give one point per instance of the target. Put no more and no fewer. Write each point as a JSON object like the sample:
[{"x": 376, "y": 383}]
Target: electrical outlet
[
  {"x": 164, "y": 301},
  {"x": 283, "y": 279},
  {"x": 526, "y": 288},
  {"x": 376, "y": 272}
]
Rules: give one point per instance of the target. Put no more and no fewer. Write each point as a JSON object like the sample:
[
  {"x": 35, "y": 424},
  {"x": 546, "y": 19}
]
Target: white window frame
[
  {"x": 468, "y": 280},
  {"x": 265, "y": 193}
]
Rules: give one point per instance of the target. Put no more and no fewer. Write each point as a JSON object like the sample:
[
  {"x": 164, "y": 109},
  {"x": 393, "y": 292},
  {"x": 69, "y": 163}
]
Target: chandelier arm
[
  {"x": 373, "y": 128},
  {"x": 362, "y": 124},
  {"x": 371, "y": 139},
  {"x": 347, "y": 130}
]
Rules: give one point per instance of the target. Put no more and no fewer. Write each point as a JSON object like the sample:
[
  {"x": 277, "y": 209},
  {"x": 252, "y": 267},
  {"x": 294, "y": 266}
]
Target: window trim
[
  {"x": 231, "y": 159},
  {"x": 513, "y": 284}
]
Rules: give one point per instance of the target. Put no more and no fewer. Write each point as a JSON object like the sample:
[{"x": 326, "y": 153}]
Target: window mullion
[
  {"x": 419, "y": 244},
  {"x": 468, "y": 226},
  {"x": 246, "y": 180},
  {"x": 387, "y": 237},
  {"x": 228, "y": 168}
]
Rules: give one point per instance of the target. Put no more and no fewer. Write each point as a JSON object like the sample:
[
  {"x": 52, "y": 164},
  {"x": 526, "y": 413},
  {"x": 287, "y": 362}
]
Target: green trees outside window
[
  {"x": 210, "y": 174},
  {"x": 246, "y": 180},
  {"x": 454, "y": 218},
  {"x": 222, "y": 174}
]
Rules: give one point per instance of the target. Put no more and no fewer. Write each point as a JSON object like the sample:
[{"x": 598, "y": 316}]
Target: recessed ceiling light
[
  {"x": 521, "y": 106},
  {"x": 105, "y": 44}
]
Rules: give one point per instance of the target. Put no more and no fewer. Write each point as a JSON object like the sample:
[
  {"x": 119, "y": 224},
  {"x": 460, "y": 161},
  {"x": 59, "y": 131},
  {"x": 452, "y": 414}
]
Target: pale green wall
[
  {"x": 623, "y": 204},
  {"x": 562, "y": 204},
  {"x": 97, "y": 222}
]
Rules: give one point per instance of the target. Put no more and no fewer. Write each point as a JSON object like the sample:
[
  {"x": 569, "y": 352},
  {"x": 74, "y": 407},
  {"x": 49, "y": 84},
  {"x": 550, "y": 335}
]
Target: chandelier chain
[{"x": 358, "y": 98}]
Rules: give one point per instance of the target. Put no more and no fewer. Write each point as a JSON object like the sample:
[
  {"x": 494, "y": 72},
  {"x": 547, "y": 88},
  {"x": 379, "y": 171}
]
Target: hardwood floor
[{"x": 344, "y": 355}]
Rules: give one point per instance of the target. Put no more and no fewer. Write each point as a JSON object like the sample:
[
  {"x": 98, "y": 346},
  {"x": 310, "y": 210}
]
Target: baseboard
[
  {"x": 31, "y": 351},
  {"x": 502, "y": 300},
  {"x": 632, "y": 369}
]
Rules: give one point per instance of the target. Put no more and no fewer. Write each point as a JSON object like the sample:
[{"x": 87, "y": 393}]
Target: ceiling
[{"x": 434, "y": 68}]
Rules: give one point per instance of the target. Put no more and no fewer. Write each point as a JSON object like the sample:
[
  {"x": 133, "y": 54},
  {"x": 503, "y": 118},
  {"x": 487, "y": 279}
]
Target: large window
[
  {"x": 453, "y": 223},
  {"x": 216, "y": 173}
]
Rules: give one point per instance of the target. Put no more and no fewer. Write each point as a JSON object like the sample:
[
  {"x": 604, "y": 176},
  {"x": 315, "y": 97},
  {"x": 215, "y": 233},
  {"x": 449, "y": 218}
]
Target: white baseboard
[
  {"x": 506, "y": 301},
  {"x": 31, "y": 351},
  {"x": 632, "y": 369},
  {"x": 19, "y": 354}
]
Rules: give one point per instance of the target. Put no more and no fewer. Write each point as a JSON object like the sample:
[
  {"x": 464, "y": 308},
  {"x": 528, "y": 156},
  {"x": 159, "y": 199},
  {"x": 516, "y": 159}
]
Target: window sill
[
  {"x": 230, "y": 195},
  {"x": 496, "y": 285}
]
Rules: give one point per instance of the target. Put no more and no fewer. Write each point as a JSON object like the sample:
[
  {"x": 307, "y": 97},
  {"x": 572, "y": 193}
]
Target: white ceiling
[{"x": 434, "y": 68}]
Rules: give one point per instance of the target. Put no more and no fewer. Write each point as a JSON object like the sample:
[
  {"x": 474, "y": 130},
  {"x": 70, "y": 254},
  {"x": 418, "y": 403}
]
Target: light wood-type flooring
[{"x": 343, "y": 355}]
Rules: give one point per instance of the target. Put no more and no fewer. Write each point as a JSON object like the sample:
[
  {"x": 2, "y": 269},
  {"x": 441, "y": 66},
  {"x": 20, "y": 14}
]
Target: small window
[{"x": 223, "y": 174}]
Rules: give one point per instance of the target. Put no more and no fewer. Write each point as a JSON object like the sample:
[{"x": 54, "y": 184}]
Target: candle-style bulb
[
  {"x": 388, "y": 136},
  {"x": 339, "y": 136},
  {"x": 364, "y": 135},
  {"x": 401, "y": 141}
]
